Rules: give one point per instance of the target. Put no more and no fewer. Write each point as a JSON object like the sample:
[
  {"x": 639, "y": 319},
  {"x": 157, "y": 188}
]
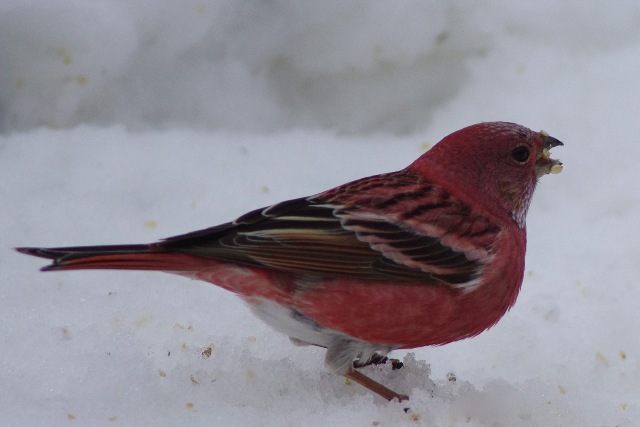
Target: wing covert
[{"x": 316, "y": 236}]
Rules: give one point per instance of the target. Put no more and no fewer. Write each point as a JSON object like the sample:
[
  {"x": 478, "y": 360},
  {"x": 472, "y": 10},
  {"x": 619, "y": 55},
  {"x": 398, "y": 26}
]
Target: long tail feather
[{"x": 117, "y": 257}]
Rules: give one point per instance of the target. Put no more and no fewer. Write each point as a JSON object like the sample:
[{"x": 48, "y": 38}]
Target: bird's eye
[{"x": 520, "y": 154}]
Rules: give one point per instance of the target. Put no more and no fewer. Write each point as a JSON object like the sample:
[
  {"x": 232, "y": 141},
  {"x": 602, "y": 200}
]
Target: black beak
[{"x": 551, "y": 142}]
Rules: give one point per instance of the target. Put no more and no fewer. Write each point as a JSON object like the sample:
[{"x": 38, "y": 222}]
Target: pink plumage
[{"x": 428, "y": 255}]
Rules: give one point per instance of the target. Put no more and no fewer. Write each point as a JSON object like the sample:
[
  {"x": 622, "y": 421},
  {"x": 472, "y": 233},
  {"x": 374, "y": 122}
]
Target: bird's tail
[{"x": 117, "y": 257}]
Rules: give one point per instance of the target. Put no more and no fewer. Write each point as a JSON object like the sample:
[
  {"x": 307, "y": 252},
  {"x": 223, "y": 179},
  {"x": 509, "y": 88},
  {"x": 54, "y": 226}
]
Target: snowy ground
[{"x": 125, "y": 122}]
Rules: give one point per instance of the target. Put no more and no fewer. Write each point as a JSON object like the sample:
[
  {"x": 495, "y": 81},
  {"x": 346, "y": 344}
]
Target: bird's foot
[{"x": 378, "y": 359}]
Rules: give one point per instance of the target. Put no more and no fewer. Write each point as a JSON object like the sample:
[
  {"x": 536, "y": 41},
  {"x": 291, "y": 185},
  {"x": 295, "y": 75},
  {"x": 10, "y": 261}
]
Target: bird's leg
[
  {"x": 374, "y": 386},
  {"x": 342, "y": 351}
]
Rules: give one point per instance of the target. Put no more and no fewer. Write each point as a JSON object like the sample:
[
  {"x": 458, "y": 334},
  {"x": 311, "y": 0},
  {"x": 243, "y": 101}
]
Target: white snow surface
[{"x": 129, "y": 121}]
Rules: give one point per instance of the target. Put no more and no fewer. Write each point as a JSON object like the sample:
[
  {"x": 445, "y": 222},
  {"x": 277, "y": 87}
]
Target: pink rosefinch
[{"x": 428, "y": 255}]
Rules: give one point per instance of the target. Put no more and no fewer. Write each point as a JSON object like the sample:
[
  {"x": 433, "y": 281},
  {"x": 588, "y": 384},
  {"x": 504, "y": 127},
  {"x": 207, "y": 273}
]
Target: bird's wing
[{"x": 322, "y": 235}]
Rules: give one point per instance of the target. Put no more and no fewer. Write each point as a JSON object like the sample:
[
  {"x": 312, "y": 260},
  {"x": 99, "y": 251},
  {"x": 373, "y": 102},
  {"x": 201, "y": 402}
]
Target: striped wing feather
[{"x": 308, "y": 236}]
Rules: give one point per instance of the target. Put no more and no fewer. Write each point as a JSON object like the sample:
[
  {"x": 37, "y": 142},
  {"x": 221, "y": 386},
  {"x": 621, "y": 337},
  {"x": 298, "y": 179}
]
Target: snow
[{"x": 126, "y": 122}]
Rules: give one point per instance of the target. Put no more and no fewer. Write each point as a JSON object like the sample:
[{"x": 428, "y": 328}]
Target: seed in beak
[{"x": 545, "y": 154}]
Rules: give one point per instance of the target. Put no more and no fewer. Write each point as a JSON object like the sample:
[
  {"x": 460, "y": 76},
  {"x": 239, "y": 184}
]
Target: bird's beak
[{"x": 545, "y": 164}]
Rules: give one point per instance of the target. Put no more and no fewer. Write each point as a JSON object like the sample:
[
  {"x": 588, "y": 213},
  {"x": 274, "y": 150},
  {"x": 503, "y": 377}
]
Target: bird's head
[{"x": 495, "y": 163}]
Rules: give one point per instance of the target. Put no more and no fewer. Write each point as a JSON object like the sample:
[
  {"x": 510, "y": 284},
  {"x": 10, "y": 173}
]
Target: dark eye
[{"x": 521, "y": 154}]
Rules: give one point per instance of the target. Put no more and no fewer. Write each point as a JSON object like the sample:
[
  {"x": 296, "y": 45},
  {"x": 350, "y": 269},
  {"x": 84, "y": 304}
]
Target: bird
[{"x": 425, "y": 256}]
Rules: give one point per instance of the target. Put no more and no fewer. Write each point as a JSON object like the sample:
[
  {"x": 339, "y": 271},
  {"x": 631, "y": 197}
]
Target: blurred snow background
[{"x": 128, "y": 121}]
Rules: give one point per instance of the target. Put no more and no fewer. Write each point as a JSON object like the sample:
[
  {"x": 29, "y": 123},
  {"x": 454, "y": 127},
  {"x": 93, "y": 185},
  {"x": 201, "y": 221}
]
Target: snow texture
[{"x": 129, "y": 121}]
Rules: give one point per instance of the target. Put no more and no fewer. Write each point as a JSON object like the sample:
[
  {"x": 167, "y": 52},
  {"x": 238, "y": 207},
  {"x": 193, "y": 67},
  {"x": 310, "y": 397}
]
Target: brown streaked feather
[{"x": 310, "y": 236}]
